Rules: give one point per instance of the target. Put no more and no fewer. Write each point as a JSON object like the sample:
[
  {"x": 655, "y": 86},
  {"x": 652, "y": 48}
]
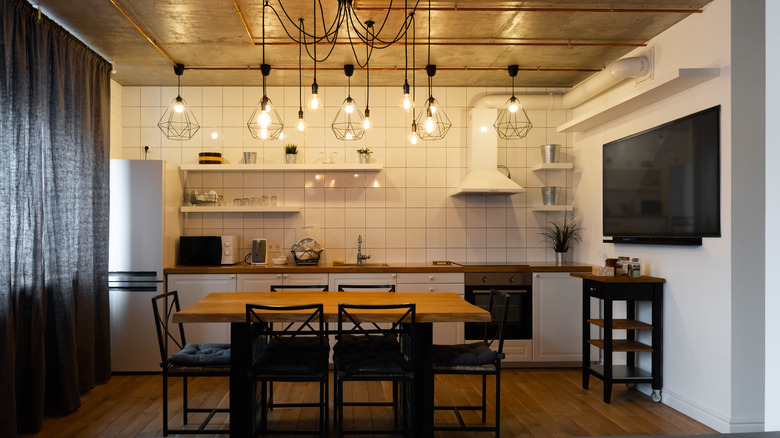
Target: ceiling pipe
[
  {"x": 635, "y": 67},
  {"x": 547, "y": 101}
]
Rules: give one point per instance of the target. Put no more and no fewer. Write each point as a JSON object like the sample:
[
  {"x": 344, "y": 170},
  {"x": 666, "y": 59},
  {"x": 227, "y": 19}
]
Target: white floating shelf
[
  {"x": 552, "y": 208},
  {"x": 553, "y": 166},
  {"x": 663, "y": 87},
  {"x": 280, "y": 167},
  {"x": 242, "y": 209}
]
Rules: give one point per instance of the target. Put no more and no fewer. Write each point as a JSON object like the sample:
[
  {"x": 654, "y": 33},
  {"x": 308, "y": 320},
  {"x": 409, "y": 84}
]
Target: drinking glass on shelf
[
  {"x": 255, "y": 201},
  {"x": 274, "y": 200},
  {"x": 264, "y": 200}
]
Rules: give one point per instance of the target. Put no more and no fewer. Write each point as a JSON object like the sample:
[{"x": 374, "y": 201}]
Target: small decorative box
[{"x": 603, "y": 271}]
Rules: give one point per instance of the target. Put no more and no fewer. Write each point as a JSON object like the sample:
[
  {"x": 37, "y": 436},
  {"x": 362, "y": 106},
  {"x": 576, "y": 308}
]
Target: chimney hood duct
[{"x": 483, "y": 177}]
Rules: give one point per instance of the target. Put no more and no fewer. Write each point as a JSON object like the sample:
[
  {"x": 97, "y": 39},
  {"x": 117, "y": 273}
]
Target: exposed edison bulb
[
  {"x": 406, "y": 103},
  {"x": 366, "y": 123},
  {"x": 348, "y": 136},
  {"x": 281, "y": 135},
  {"x": 179, "y": 105},
  {"x": 349, "y": 107},
  {"x": 513, "y": 105},
  {"x": 264, "y": 133},
  {"x": 301, "y": 126},
  {"x": 414, "y": 138},
  {"x": 314, "y": 102},
  {"x": 429, "y": 125},
  {"x": 433, "y": 108},
  {"x": 264, "y": 120}
]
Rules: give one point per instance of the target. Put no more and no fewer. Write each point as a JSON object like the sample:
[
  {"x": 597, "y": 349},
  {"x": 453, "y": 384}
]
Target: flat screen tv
[{"x": 662, "y": 186}]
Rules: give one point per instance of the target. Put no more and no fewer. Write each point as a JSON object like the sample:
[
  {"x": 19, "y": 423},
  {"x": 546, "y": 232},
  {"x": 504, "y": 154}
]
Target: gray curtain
[{"x": 54, "y": 314}]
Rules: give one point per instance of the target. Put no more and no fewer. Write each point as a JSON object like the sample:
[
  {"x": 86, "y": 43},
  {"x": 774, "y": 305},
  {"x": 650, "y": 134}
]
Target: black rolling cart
[{"x": 632, "y": 290}]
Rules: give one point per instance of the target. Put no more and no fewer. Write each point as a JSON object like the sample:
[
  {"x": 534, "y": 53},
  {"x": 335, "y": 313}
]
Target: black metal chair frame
[
  {"x": 299, "y": 287},
  {"x": 166, "y": 334},
  {"x": 402, "y": 328},
  {"x": 493, "y": 369},
  {"x": 312, "y": 326},
  {"x": 363, "y": 287}
]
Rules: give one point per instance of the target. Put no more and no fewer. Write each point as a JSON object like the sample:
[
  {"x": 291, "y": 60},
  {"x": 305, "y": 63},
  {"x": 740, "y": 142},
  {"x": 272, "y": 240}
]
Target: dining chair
[
  {"x": 367, "y": 351},
  {"x": 292, "y": 348},
  {"x": 190, "y": 360},
  {"x": 299, "y": 287},
  {"x": 481, "y": 358},
  {"x": 366, "y": 288}
]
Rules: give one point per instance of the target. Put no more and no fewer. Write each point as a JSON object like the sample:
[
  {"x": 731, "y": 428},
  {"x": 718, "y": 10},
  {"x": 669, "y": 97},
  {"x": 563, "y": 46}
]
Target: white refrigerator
[{"x": 144, "y": 228}]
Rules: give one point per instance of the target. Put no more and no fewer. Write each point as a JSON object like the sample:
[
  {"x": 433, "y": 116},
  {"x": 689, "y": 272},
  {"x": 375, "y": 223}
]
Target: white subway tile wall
[{"x": 404, "y": 212}]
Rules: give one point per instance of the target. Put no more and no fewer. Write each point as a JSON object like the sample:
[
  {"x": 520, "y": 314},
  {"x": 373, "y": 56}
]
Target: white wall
[
  {"x": 772, "y": 257},
  {"x": 404, "y": 212},
  {"x": 706, "y": 375}
]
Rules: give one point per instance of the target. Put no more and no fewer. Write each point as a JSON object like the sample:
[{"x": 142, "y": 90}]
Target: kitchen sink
[{"x": 365, "y": 265}]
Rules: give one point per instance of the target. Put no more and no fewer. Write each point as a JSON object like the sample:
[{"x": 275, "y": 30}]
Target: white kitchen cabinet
[
  {"x": 193, "y": 287},
  {"x": 444, "y": 333},
  {"x": 369, "y": 278},
  {"x": 263, "y": 282},
  {"x": 557, "y": 317}
]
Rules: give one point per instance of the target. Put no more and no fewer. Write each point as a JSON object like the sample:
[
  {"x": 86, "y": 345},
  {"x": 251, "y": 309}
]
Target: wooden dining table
[{"x": 430, "y": 308}]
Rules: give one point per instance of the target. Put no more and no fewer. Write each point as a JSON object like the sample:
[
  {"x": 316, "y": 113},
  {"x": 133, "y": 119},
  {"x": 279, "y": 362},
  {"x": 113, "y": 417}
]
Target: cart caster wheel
[
  {"x": 631, "y": 385},
  {"x": 656, "y": 395}
]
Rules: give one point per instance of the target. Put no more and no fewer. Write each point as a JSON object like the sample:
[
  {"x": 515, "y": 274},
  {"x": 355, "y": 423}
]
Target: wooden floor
[{"x": 535, "y": 403}]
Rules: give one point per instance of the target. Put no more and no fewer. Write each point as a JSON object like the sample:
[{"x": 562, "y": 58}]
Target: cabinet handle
[
  {"x": 393, "y": 276},
  {"x": 232, "y": 276},
  {"x": 430, "y": 278},
  {"x": 278, "y": 276},
  {"x": 536, "y": 275},
  {"x": 284, "y": 276},
  {"x": 430, "y": 289}
]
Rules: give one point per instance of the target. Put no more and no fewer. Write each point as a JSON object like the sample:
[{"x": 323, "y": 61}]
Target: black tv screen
[{"x": 663, "y": 185}]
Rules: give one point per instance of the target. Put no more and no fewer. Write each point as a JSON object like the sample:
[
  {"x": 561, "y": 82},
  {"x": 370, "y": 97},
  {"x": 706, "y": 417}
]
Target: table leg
[
  {"x": 240, "y": 393},
  {"x": 423, "y": 380}
]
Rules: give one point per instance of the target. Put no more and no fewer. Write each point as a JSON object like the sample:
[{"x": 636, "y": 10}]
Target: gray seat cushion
[
  {"x": 304, "y": 355},
  {"x": 202, "y": 355},
  {"x": 477, "y": 353},
  {"x": 361, "y": 355}
]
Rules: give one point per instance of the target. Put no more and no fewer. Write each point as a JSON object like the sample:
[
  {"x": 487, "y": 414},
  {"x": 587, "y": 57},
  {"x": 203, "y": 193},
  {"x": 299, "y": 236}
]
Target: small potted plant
[
  {"x": 365, "y": 155},
  {"x": 291, "y": 152},
  {"x": 562, "y": 236}
]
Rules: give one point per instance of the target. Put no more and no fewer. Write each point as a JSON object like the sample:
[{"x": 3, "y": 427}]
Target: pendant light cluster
[
  {"x": 348, "y": 123},
  {"x": 512, "y": 122},
  {"x": 265, "y": 122},
  {"x": 178, "y": 121}
]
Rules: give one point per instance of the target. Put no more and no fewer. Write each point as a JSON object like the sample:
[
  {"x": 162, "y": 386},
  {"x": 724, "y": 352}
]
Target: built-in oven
[{"x": 518, "y": 285}]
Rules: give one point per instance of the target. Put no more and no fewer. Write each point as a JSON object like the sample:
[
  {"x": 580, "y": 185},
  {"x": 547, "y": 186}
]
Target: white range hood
[{"x": 483, "y": 176}]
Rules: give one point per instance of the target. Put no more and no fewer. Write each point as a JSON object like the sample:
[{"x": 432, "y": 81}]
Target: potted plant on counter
[
  {"x": 562, "y": 236},
  {"x": 365, "y": 155},
  {"x": 291, "y": 152}
]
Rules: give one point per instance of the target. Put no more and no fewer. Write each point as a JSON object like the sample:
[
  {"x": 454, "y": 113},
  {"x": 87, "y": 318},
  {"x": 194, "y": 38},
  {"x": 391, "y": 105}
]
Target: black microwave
[{"x": 208, "y": 250}]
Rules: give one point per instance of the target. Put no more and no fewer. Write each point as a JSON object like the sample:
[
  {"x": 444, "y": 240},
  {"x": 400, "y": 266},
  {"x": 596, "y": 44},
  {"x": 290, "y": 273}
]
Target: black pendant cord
[
  {"x": 414, "y": 68},
  {"x": 300, "y": 70},
  {"x": 178, "y": 92},
  {"x": 430, "y": 87},
  {"x": 265, "y": 4}
]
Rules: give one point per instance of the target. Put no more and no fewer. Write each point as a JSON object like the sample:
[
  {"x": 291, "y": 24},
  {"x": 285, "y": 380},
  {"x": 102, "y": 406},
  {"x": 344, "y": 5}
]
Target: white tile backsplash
[{"x": 404, "y": 211}]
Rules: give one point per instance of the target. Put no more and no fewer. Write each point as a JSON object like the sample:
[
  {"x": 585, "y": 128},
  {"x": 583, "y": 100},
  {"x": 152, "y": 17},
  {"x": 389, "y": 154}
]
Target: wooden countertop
[{"x": 245, "y": 268}]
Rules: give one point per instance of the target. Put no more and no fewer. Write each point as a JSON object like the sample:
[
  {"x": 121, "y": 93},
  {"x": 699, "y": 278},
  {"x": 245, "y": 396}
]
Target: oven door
[{"x": 519, "y": 323}]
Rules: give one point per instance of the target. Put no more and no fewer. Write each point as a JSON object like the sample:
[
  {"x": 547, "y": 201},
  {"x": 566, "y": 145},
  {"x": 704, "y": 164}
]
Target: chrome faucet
[{"x": 360, "y": 256}]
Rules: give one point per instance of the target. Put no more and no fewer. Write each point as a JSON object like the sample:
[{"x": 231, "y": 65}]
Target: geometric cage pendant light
[
  {"x": 265, "y": 122},
  {"x": 431, "y": 122},
  {"x": 178, "y": 121},
  {"x": 348, "y": 123},
  {"x": 512, "y": 122}
]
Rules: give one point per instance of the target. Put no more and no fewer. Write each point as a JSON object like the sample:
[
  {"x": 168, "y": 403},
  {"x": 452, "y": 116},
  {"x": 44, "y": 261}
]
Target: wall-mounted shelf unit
[
  {"x": 666, "y": 86},
  {"x": 281, "y": 167},
  {"x": 552, "y": 208},
  {"x": 242, "y": 209},
  {"x": 553, "y": 166}
]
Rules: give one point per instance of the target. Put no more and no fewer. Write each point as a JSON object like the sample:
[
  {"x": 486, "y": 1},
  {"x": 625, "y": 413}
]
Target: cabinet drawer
[
  {"x": 431, "y": 277},
  {"x": 455, "y": 288}
]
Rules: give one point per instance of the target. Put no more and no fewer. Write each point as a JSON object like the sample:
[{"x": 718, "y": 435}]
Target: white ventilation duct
[{"x": 618, "y": 71}]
